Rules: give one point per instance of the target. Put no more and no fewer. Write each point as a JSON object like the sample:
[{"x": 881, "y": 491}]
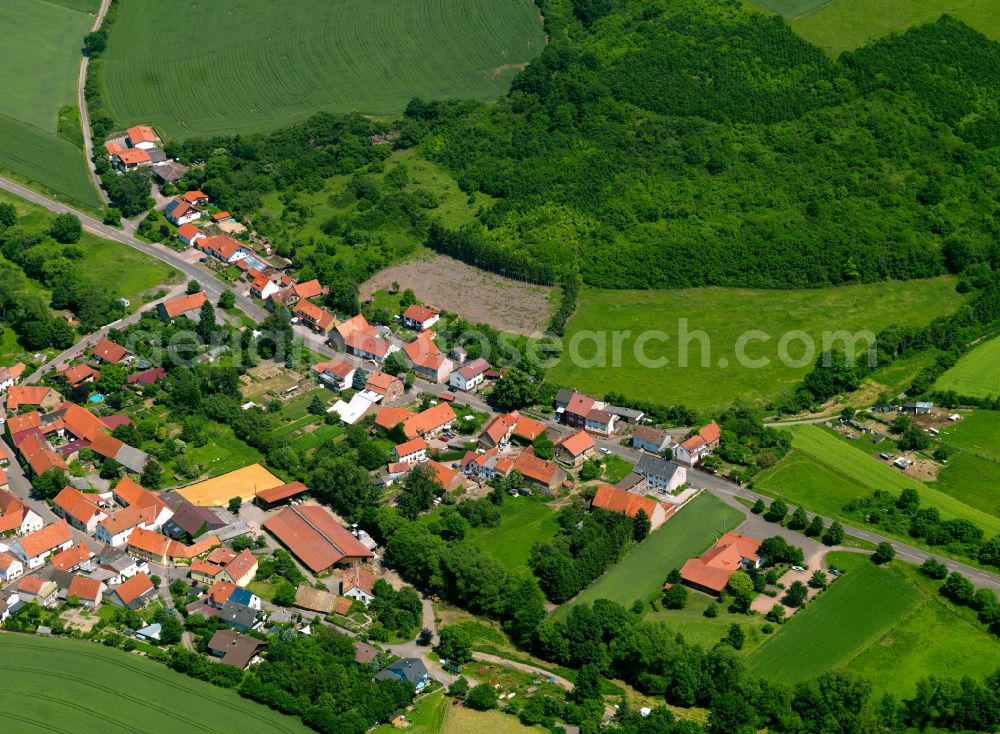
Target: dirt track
[{"x": 474, "y": 294}]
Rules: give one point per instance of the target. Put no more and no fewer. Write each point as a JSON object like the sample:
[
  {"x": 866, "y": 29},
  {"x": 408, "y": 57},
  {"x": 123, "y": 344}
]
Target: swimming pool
[{"x": 96, "y": 398}]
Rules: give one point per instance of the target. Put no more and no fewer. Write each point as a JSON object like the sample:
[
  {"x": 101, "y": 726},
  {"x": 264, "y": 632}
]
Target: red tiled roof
[
  {"x": 111, "y": 422},
  {"x": 442, "y": 474},
  {"x": 430, "y": 419},
  {"x": 76, "y": 504},
  {"x": 380, "y": 382},
  {"x": 44, "y": 540},
  {"x": 579, "y": 404},
  {"x": 309, "y": 289},
  {"x": 150, "y": 542},
  {"x": 410, "y": 447},
  {"x": 148, "y": 377},
  {"x": 622, "y": 502},
  {"x": 84, "y": 588},
  {"x": 131, "y": 156},
  {"x": 222, "y": 245},
  {"x": 221, "y": 592},
  {"x": 713, "y": 569},
  {"x": 423, "y": 352},
  {"x": 315, "y": 537},
  {"x": 187, "y": 231},
  {"x": 529, "y": 429},
  {"x": 108, "y": 351},
  {"x": 123, "y": 520},
  {"x": 359, "y": 578},
  {"x": 241, "y": 565},
  {"x": 25, "y": 422},
  {"x": 31, "y": 584},
  {"x": 711, "y": 432},
  {"x": 7, "y": 560},
  {"x": 134, "y": 588},
  {"x": 355, "y": 324},
  {"x": 577, "y": 443},
  {"x": 473, "y": 368},
  {"x": 534, "y": 468},
  {"x": 78, "y": 373},
  {"x": 141, "y": 134},
  {"x": 337, "y": 367},
  {"x": 497, "y": 428},
  {"x": 19, "y": 395},
  {"x": 367, "y": 343},
  {"x": 192, "y": 197},
  {"x": 313, "y": 314},
  {"x": 390, "y": 417},
  {"x": 276, "y": 494},
  {"x": 40, "y": 457},
  {"x": 420, "y": 314},
  {"x": 184, "y": 304},
  {"x": 220, "y": 216}
]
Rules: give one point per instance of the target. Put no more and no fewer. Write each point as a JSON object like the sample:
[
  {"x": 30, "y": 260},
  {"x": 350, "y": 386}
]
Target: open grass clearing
[
  {"x": 848, "y": 617},
  {"x": 701, "y": 630},
  {"x": 462, "y": 720},
  {"x": 714, "y": 377},
  {"x": 270, "y": 65},
  {"x": 67, "y": 685},
  {"x": 824, "y": 471},
  {"x": 976, "y": 373},
  {"x": 642, "y": 572}
]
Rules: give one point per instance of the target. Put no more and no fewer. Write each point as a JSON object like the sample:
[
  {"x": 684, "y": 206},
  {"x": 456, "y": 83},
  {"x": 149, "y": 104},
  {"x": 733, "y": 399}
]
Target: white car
[
  {"x": 604, "y": 451},
  {"x": 797, "y": 568}
]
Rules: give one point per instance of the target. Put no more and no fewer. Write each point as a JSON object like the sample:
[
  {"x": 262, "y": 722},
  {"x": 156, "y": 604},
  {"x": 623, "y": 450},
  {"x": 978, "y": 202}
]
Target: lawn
[
  {"x": 643, "y": 571},
  {"x": 704, "y": 370},
  {"x": 66, "y": 685},
  {"x": 462, "y": 720},
  {"x": 38, "y": 72},
  {"x": 271, "y": 64},
  {"x": 976, "y": 373},
  {"x": 841, "y": 25},
  {"x": 823, "y": 472},
  {"x": 853, "y": 614},
  {"x": 701, "y": 630},
  {"x": 616, "y": 469}
]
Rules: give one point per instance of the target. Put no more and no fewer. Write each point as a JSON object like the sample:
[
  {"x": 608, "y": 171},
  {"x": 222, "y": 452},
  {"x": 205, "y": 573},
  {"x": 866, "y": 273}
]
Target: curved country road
[{"x": 81, "y": 103}]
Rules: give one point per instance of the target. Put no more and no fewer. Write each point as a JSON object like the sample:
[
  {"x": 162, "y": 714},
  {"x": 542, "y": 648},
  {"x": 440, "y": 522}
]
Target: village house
[
  {"x": 15, "y": 516},
  {"x": 33, "y": 549},
  {"x": 449, "y": 479},
  {"x": 72, "y": 558},
  {"x": 367, "y": 346},
  {"x": 710, "y": 573},
  {"x": 358, "y": 583},
  {"x": 427, "y": 360},
  {"x": 129, "y": 159},
  {"x": 224, "y": 248},
  {"x": 134, "y": 593},
  {"x": 498, "y": 431},
  {"x": 486, "y": 465},
  {"x": 79, "y": 374},
  {"x": 647, "y": 438},
  {"x": 296, "y": 292},
  {"x": 660, "y": 474},
  {"x": 187, "y": 305},
  {"x": 600, "y": 422},
  {"x": 235, "y": 649},
  {"x": 107, "y": 352},
  {"x": 128, "y": 493},
  {"x": 116, "y": 529},
  {"x": 420, "y": 318},
  {"x": 313, "y": 536},
  {"x": 78, "y": 509},
  {"x": 406, "y": 670},
  {"x": 411, "y": 452},
  {"x": 430, "y": 422},
  {"x": 35, "y": 588},
  {"x": 89, "y": 591},
  {"x": 10, "y": 567},
  {"x": 149, "y": 546},
  {"x": 538, "y": 473},
  {"x": 469, "y": 376},
  {"x": 189, "y": 234},
  {"x": 388, "y": 386},
  {"x": 698, "y": 446},
  {"x": 314, "y": 317},
  {"x": 263, "y": 287},
  {"x": 147, "y": 377},
  {"x": 238, "y": 616},
  {"x": 574, "y": 449},
  {"x": 180, "y": 212},
  {"x": 195, "y": 198},
  {"x": 626, "y": 503},
  {"x": 355, "y": 325},
  {"x": 142, "y": 137},
  {"x": 10, "y": 375},
  {"x": 337, "y": 373},
  {"x": 44, "y": 398}
]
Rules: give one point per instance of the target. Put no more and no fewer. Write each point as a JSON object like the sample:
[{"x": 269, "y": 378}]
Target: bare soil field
[{"x": 477, "y": 296}]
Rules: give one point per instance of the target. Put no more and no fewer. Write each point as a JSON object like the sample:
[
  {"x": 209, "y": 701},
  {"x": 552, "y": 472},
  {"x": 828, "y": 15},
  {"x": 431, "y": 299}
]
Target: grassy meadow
[
  {"x": 724, "y": 314},
  {"x": 38, "y": 73},
  {"x": 66, "y": 685},
  {"x": 976, "y": 373},
  {"x": 823, "y": 472},
  {"x": 261, "y": 65},
  {"x": 643, "y": 571}
]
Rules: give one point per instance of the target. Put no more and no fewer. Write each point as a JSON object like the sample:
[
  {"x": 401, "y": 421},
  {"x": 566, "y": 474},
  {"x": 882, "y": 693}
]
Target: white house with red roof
[
  {"x": 130, "y": 159},
  {"x": 78, "y": 509},
  {"x": 420, "y": 318},
  {"x": 195, "y": 198},
  {"x": 427, "y": 360},
  {"x": 263, "y": 287},
  {"x": 698, "y": 446},
  {"x": 411, "y": 452},
  {"x": 142, "y": 137},
  {"x": 189, "y": 234},
  {"x": 10, "y": 567},
  {"x": 470, "y": 376},
  {"x": 223, "y": 247},
  {"x": 336, "y": 373},
  {"x": 180, "y": 212},
  {"x": 34, "y": 548}
]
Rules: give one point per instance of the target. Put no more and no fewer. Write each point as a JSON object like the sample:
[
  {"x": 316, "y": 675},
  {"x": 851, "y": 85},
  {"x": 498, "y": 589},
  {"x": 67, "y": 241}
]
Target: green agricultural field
[
  {"x": 38, "y": 73},
  {"x": 253, "y": 65},
  {"x": 976, "y": 373},
  {"x": 841, "y": 25},
  {"x": 713, "y": 379},
  {"x": 823, "y": 472},
  {"x": 972, "y": 474},
  {"x": 850, "y": 616},
  {"x": 642, "y": 572},
  {"x": 977, "y": 433},
  {"x": 68, "y": 685}
]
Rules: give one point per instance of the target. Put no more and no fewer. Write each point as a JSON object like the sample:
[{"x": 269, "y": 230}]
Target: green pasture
[
  {"x": 854, "y": 613},
  {"x": 976, "y": 373},
  {"x": 67, "y": 685},
  {"x": 704, "y": 370},
  {"x": 977, "y": 433},
  {"x": 643, "y": 571},
  {"x": 251, "y": 65}
]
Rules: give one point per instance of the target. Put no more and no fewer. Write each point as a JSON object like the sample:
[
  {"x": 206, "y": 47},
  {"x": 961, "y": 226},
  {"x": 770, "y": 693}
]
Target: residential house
[
  {"x": 169, "y": 172},
  {"x": 364, "y": 653},
  {"x": 390, "y": 417},
  {"x": 89, "y": 591},
  {"x": 600, "y": 422},
  {"x": 235, "y": 649},
  {"x": 39, "y": 455},
  {"x": 487, "y": 465},
  {"x": 142, "y": 137},
  {"x": 33, "y": 549},
  {"x": 10, "y": 567},
  {"x": 405, "y": 670},
  {"x": 219, "y": 594},
  {"x": 263, "y": 287},
  {"x": 698, "y": 446},
  {"x": 427, "y": 360},
  {"x": 660, "y": 474},
  {"x": 78, "y": 374},
  {"x": 647, "y": 438},
  {"x": 625, "y": 415},
  {"x": 224, "y": 248},
  {"x": 179, "y": 212},
  {"x": 538, "y": 473},
  {"x": 498, "y": 431},
  {"x": 356, "y": 325},
  {"x": 388, "y": 386},
  {"x": 16, "y": 517},
  {"x": 449, "y": 479},
  {"x": 238, "y": 616},
  {"x": 78, "y": 509},
  {"x": 129, "y": 493},
  {"x": 147, "y": 377},
  {"x": 149, "y": 546},
  {"x": 189, "y": 519},
  {"x": 303, "y": 292},
  {"x": 574, "y": 449},
  {"x": 577, "y": 406},
  {"x": 469, "y": 376},
  {"x": 189, "y": 234},
  {"x": 181, "y": 306},
  {"x": 313, "y": 536},
  {"x": 73, "y": 558},
  {"x": 241, "y": 569},
  {"x": 626, "y": 503},
  {"x": 420, "y": 318},
  {"x": 130, "y": 159},
  {"x": 245, "y": 597},
  {"x": 134, "y": 593},
  {"x": 527, "y": 430},
  {"x": 195, "y": 198},
  {"x": 368, "y": 346},
  {"x": 411, "y": 452},
  {"x": 314, "y": 317},
  {"x": 710, "y": 573},
  {"x": 358, "y": 583},
  {"x": 45, "y": 398},
  {"x": 431, "y": 422},
  {"x": 35, "y": 588},
  {"x": 10, "y": 375},
  {"x": 118, "y": 563},
  {"x": 337, "y": 373},
  {"x": 116, "y": 529}
]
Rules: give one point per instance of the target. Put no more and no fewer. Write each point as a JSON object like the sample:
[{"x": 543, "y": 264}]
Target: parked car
[
  {"x": 604, "y": 451},
  {"x": 797, "y": 568}
]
